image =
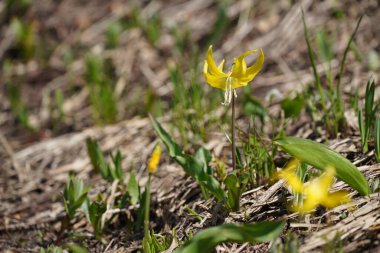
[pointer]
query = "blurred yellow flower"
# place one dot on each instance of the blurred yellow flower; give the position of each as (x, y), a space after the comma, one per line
(239, 76)
(290, 177)
(315, 192)
(154, 159)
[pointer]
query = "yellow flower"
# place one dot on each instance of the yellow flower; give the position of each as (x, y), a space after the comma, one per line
(154, 159)
(315, 192)
(239, 76)
(290, 177)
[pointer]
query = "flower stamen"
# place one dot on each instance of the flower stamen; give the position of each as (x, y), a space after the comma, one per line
(228, 91)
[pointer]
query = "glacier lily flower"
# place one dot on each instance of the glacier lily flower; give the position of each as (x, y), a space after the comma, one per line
(240, 75)
(316, 192)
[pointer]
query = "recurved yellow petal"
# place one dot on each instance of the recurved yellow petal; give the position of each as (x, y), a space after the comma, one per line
(214, 81)
(214, 70)
(256, 67)
(239, 68)
(247, 74)
(154, 159)
(335, 199)
(290, 177)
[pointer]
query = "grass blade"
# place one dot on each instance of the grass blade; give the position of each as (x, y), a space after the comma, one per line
(377, 139)
(320, 156)
(206, 240)
(342, 64)
(315, 72)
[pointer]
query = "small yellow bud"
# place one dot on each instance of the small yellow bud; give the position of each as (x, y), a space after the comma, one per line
(154, 159)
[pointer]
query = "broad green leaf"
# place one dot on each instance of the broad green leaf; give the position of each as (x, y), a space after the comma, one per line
(235, 186)
(193, 167)
(206, 240)
(320, 156)
(234, 192)
(133, 188)
(203, 155)
(74, 248)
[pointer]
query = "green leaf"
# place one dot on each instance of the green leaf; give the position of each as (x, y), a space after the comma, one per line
(193, 167)
(103, 166)
(117, 172)
(377, 139)
(320, 156)
(252, 106)
(206, 240)
(74, 195)
(96, 210)
(204, 156)
(324, 45)
(141, 210)
(74, 248)
(348, 46)
(369, 101)
(293, 107)
(133, 188)
(92, 147)
(234, 192)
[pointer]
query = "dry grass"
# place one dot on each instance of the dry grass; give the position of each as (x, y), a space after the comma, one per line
(34, 165)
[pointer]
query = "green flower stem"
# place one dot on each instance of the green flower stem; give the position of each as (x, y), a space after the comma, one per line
(233, 133)
(147, 207)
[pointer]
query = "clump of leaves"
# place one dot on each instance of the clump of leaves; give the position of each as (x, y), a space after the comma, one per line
(18, 107)
(290, 245)
(51, 249)
(74, 195)
(258, 156)
(152, 28)
(96, 209)
(109, 172)
(24, 37)
(129, 193)
(367, 120)
(196, 166)
(235, 186)
(157, 243)
(102, 97)
(112, 34)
